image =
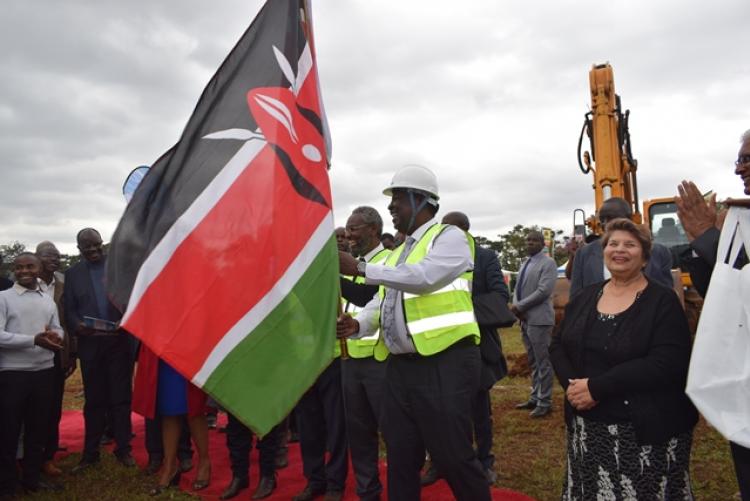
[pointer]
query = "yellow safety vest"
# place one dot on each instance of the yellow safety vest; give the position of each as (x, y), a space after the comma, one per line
(363, 347)
(337, 342)
(438, 319)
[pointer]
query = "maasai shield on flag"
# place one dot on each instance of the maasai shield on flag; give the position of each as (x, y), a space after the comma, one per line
(225, 260)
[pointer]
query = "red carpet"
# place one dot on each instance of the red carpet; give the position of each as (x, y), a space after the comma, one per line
(290, 479)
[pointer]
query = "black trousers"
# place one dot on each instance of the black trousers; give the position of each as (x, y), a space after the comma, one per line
(55, 414)
(107, 388)
(362, 381)
(239, 443)
(483, 429)
(25, 399)
(741, 458)
(320, 414)
(155, 445)
(428, 405)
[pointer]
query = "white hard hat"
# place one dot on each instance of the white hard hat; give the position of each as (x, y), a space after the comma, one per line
(415, 177)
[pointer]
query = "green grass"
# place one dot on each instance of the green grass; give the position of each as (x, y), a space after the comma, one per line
(109, 480)
(529, 452)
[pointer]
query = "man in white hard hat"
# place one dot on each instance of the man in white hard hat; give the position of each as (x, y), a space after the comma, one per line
(430, 338)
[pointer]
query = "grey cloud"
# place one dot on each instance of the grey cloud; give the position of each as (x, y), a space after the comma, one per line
(490, 94)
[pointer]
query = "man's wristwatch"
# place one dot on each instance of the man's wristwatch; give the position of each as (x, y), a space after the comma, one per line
(361, 267)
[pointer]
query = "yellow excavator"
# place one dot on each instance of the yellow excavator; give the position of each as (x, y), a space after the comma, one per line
(613, 169)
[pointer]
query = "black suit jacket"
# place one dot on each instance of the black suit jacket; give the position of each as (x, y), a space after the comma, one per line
(79, 301)
(648, 357)
(489, 278)
(702, 265)
(357, 294)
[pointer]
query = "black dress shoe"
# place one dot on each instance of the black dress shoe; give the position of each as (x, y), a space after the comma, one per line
(529, 404)
(265, 487)
(84, 465)
(125, 459)
(43, 486)
(333, 496)
(234, 487)
(540, 412)
(430, 476)
(491, 476)
(308, 493)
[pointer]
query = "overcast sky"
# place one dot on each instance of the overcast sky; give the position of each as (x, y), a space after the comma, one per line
(490, 94)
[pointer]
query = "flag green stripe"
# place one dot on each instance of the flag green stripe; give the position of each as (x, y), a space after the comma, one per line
(264, 376)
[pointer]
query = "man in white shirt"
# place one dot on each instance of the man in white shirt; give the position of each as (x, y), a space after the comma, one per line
(426, 321)
(29, 334)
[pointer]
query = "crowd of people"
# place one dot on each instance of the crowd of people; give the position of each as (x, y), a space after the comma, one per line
(413, 362)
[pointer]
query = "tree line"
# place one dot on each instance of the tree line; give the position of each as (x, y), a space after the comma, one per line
(510, 248)
(8, 252)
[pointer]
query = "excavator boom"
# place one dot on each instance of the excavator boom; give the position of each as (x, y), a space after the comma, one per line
(606, 125)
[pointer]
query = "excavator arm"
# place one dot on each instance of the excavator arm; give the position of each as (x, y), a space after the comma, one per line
(610, 161)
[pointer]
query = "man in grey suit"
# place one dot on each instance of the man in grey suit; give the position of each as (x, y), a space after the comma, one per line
(532, 304)
(588, 264)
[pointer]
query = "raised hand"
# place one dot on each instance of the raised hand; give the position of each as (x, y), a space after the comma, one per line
(696, 215)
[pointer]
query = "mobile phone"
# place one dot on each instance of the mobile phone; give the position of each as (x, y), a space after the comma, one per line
(100, 324)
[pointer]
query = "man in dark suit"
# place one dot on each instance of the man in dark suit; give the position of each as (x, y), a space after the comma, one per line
(701, 224)
(588, 264)
(321, 425)
(488, 277)
(363, 376)
(532, 304)
(106, 357)
(52, 282)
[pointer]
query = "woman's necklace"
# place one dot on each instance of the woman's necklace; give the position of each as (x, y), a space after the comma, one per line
(619, 288)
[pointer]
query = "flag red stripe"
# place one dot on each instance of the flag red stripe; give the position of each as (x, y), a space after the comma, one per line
(228, 263)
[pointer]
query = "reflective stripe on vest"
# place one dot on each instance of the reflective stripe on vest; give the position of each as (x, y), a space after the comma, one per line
(365, 346)
(438, 319)
(337, 341)
(460, 284)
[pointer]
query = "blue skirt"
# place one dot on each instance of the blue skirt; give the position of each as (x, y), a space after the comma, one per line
(171, 395)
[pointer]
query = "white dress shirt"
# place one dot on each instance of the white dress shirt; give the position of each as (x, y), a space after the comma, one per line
(446, 260)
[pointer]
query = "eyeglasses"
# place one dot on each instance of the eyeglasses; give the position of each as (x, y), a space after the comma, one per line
(742, 160)
(356, 227)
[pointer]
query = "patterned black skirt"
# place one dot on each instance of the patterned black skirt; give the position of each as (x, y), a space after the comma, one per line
(605, 463)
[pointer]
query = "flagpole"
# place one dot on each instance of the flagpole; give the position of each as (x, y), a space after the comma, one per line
(342, 341)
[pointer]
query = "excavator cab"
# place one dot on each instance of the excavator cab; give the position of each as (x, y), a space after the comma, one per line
(664, 223)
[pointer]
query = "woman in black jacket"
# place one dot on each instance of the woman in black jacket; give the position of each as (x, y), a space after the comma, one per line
(622, 354)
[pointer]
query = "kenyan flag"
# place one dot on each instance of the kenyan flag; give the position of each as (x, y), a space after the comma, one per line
(225, 261)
